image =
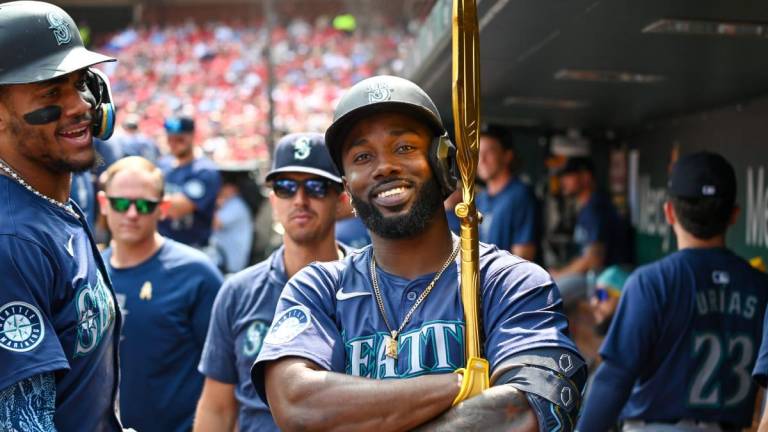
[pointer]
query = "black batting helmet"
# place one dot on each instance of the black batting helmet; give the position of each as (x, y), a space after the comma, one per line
(393, 94)
(40, 41)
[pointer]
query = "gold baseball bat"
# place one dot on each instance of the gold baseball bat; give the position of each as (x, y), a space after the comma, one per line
(466, 115)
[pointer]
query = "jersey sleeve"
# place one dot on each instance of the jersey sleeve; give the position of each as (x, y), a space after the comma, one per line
(760, 372)
(522, 311)
(28, 342)
(202, 188)
(635, 326)
(218, 358)
(304, 325)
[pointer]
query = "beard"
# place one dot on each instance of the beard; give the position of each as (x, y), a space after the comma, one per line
(428, 201)
(27, 138)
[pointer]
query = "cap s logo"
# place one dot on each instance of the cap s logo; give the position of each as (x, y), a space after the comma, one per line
(301, 148)
(60, 28)
(379, 92)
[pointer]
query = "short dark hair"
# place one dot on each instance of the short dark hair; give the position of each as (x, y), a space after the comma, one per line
(705, 217)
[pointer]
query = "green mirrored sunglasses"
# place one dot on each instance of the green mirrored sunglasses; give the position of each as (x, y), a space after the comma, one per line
(143, 206)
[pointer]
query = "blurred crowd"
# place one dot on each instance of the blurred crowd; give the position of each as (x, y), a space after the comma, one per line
(218, 74)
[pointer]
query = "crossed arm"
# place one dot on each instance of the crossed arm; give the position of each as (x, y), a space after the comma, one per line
(303, 396)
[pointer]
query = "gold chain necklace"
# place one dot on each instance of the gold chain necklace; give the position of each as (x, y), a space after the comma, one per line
(392, 345)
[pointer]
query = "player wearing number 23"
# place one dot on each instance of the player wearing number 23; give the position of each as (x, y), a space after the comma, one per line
(683, 342)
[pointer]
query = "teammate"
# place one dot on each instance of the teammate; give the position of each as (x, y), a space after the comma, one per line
(508, 205)
(306, 191)
(342, 330)
(192, 184)
(600, 234)
(232, 228)
(166, 292)
(683, 341)
(58, 319)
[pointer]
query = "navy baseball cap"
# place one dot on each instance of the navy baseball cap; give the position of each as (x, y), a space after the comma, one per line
(303, 153)
(576, 164)
(179, 125)
(702, 175)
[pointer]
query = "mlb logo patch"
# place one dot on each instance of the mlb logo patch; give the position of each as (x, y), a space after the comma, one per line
(721, 277)
(708, 190)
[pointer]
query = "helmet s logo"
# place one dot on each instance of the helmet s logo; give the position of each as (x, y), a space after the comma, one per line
(301, 148)
(379, 92)
(60, 28)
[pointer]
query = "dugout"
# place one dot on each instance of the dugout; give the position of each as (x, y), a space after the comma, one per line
(641, 81)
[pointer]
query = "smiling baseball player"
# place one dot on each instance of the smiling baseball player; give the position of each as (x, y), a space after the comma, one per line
(372, 341)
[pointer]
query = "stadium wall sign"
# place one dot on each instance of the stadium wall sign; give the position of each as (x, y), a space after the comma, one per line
(737, 132)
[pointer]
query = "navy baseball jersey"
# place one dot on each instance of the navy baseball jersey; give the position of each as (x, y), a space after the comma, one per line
(352, 232)
(509, 217)
(166, 302)
(57, 309)
(598, 221)
(241, 317)
(682, 343)
(328, 314)
(200, 182)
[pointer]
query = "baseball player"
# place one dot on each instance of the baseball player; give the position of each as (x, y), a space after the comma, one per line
(600, 234)
(192, 184)
(508, 205)
(58, 315)
(306, 192)
(165, 291)
(373, 341)
(683, 341)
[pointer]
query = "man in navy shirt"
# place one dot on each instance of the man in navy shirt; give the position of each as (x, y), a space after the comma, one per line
(600, 235)
(306, 191)
(58, 316)
(683, 341)
(192, 185)
(371, 342)
(508, 205)
(165, 290)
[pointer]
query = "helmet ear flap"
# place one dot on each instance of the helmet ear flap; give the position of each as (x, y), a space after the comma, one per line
(104, 107)
(442, 159)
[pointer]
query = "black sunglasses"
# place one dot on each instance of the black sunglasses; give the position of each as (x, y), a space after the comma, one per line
(314, 187)
(143, 206)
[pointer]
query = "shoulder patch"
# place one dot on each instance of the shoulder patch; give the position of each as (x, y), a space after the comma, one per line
(292, 322)
(21, 326)
(195, 189)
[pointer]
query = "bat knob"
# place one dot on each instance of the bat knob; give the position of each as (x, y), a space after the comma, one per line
(461, 210)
